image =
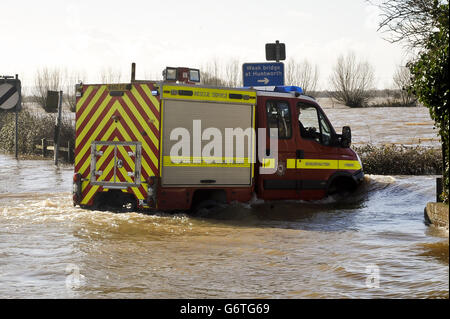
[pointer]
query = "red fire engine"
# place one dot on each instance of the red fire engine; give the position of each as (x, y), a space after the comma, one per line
(173, 145)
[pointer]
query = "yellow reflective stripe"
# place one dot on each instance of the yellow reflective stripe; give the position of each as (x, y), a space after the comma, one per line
(208, 94)
(290, 163)
(268, 163)
(253, 139)
(317, 164)
(322, 164)
(191, 162)
(209, 159)
(161, 138)
(349, 165)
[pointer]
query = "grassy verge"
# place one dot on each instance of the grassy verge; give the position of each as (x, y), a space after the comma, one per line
(400, 160)
(33, 126)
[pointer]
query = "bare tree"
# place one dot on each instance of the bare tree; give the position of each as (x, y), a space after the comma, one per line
(46, 79)
(209, 79)
(402, 81)
(212, 74)
(352, 81)
(110, 75)
(302, 74)
(71, 79)
(408, 21)
(233, 73)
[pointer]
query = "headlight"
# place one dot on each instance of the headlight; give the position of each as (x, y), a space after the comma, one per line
(359, 160)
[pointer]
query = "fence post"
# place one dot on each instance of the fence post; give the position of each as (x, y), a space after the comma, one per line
(58, 128)
(44, 146)
(68, 152)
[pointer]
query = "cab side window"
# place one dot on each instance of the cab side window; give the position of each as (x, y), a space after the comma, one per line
(312, 124)
(279, 117)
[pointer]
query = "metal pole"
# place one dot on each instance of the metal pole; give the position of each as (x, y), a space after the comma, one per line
(133, 72)
(16, 136)
(277, 51)
(58, 127)
(16, 133)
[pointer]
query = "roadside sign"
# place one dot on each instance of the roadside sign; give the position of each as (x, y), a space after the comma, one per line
(275, 51)
(51, 102)
(10, 90)
(263, 74)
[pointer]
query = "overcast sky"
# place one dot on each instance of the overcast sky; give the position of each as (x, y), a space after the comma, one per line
(89, 37)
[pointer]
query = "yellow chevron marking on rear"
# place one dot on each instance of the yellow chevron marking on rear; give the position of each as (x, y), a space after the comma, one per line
(108, 170)
(138, 135)
(84, 97)
(94, 118)
(144, 164)
(108, 151)
(91, 105)
(125, 155)
(146, 109)
(94, 135)
(144, 145)
(89, 195)
(141, 121)
(84, 184)
(150, 96)
(101, 161)
(124, 174)
(85, 149)
(137, 193)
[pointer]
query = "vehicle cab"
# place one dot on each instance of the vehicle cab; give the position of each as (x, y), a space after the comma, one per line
(312, 159)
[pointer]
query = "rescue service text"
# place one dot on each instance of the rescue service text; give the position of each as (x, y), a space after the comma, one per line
(210, 94)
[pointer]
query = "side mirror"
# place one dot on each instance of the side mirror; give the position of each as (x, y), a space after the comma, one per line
(346, 139)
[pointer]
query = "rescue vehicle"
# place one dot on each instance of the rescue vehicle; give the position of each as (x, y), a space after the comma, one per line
(126, 135)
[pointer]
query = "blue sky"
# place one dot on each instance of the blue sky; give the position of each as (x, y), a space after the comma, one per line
(88, 37)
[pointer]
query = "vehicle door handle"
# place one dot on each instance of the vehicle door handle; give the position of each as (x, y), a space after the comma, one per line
(299, 154)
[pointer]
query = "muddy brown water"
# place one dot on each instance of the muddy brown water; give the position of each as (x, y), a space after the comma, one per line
(373, 244)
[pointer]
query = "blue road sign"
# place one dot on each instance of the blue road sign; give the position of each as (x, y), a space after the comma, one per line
(263, 74)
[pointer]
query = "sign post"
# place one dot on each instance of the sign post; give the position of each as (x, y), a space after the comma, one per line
(263, 74)
(11, 101)
(58, 127)
(268, 73)
(275, 51)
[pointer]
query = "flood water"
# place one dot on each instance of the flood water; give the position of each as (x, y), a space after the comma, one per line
(373, 244)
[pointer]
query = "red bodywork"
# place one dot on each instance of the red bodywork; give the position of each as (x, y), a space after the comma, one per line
(288, 182)
(304, 184)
